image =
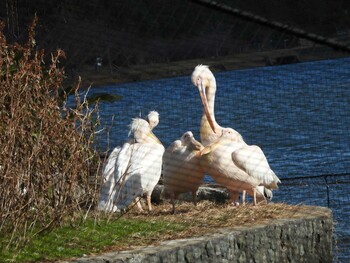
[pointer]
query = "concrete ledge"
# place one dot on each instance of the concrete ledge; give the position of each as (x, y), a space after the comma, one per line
(307, 239)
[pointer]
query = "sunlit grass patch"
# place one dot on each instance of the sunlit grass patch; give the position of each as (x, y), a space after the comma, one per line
(93, 236)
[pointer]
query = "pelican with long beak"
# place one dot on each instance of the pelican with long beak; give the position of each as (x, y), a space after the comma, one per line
(211, 134)
(205, 81)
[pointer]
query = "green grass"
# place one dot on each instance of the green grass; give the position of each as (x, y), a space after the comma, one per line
(89, 237)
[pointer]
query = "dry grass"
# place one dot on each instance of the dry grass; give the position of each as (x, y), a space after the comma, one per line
(134, 230)
(207, 217)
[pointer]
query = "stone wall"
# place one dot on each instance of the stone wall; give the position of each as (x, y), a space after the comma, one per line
(307, 239)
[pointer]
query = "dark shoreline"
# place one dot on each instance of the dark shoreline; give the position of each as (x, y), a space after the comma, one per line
(111, 75)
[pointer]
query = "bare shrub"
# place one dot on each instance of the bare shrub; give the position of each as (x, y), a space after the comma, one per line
(48, 170)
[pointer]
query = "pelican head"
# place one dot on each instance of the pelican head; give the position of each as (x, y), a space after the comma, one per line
(153, 119)
(231, 135)
(186, 137)
(228, 135)
(203, 72)
(188, 140)
(142, 132)
(205, 82)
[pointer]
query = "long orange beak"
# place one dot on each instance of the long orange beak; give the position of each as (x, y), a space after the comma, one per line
(203, 95)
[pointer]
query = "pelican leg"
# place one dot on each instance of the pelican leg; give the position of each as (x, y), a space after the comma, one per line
(243, 196)
(254, 197)
(149, 203)
(138, 203)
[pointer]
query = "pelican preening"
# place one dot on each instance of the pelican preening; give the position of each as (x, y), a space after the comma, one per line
(137, 169)
(227, 158)
(182, 172)
(133, 170)
(205, 81)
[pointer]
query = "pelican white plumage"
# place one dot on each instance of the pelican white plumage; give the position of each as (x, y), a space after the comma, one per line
(109, 167)
(238, 166)
(252, 160)
(108, 170)
(109, 181)
(182, 172)
(137, 169)
(210, 130)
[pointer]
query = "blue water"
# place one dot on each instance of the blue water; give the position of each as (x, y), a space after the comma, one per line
(298, 114)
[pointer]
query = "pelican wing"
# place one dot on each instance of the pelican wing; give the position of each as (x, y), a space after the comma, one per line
(108, 169)
(115, 167)
(182, 173)
(122, 162)
(138, 172)
(252, 160)
(176, 145)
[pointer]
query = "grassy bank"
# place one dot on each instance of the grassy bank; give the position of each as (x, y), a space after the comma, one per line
(92, 236)
(100, 233)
